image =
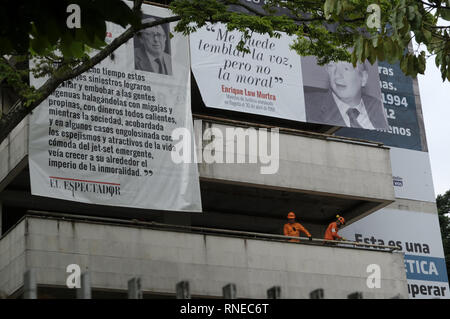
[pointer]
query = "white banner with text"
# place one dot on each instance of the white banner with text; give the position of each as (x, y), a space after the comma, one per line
(104, 137)
(271, 79)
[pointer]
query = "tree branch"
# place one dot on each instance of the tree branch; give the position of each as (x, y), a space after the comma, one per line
(19, 110)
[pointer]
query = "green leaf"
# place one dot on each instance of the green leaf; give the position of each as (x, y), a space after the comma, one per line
(411, 68)
(367, 49)
(411, 12)
(421, 63)
(404, 64)
(380, 53)
(359, 48)
(387, 46)
(427, 35)
(445, 13)
(375, 41)
(328, 8)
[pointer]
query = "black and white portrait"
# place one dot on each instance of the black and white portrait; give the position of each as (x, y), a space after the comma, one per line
(344, 97)
(152, 48)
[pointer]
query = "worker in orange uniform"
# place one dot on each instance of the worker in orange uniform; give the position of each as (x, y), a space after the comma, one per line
(332, 230)
(293, 229)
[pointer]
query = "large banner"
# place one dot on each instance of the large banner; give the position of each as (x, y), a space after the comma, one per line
(265, 81)
(105, 136)
(334, 92)
(399, 102)
(418, 235)
(272, 80)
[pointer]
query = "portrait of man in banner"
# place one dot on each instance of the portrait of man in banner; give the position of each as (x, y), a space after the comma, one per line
(152, 49)
(345, 102)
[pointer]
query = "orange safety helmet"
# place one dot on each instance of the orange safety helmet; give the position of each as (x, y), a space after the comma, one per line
(291, 215)
(340, 219)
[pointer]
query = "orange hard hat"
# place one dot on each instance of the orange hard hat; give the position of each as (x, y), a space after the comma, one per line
(291, 215)
(340, 219)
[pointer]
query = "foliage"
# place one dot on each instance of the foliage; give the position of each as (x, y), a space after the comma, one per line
(443, 205)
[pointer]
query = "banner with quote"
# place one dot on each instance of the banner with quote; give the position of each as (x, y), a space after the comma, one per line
(273, 80)
(265, 81)
(104, 137)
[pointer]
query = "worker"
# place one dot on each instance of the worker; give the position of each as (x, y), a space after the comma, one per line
(293, 229)
(332, 230)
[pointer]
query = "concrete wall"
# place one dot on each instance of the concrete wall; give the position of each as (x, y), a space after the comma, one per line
(13, 152)
(311, 165)
(13, 259)
(113, 254)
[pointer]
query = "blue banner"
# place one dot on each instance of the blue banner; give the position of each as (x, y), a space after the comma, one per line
(398, 98)
(425, 268)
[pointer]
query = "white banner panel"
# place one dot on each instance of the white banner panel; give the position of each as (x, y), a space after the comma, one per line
(266, 81)
(273, 80)
(105, 137)
(418, 234)
(411, 172)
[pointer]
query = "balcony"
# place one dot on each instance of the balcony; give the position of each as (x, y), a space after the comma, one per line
(113, 252)
(318, 175)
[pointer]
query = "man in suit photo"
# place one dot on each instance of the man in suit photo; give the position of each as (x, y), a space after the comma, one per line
(344, 103)
(150, 50)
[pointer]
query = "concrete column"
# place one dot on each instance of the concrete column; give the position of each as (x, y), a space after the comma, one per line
(355, 295)
(229, 291)
(134, 288)
(274, 293)
(183, 290)
(29, 285)
(317, 294)
(85, 291)
(1, 218)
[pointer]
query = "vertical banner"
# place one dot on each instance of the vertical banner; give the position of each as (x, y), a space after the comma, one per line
(265, 81)
(105, 136)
